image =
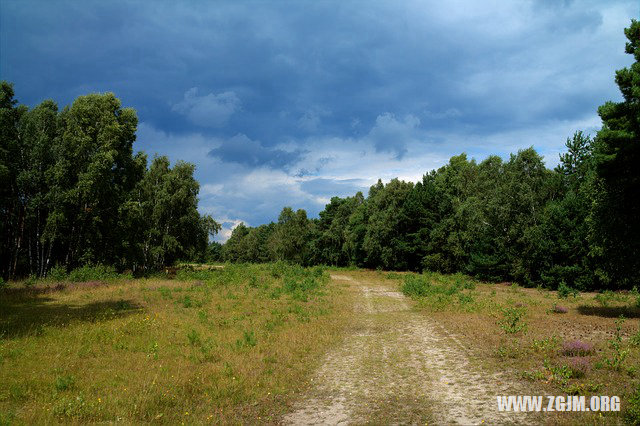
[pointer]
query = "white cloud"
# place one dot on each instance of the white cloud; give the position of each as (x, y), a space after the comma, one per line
(212, 110)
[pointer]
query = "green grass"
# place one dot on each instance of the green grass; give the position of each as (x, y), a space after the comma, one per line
(208, 346)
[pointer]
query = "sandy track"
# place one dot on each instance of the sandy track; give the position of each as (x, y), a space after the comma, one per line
(398, 366)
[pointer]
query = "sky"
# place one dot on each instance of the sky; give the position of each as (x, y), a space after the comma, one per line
(288, 103)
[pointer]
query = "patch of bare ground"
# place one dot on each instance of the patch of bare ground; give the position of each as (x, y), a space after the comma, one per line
(398, 366)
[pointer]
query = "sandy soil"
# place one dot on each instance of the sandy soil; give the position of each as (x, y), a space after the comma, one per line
(400, 367)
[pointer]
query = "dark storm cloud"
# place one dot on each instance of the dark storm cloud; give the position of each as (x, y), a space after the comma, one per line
(378, 87)
(242, 150)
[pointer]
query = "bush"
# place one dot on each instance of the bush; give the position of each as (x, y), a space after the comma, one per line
(58, 273)
(64, 383)
(3, 283)
(512, 321)
(605, 298)
(577, 348)
(564, 290)
(93, 273)
(416, 285)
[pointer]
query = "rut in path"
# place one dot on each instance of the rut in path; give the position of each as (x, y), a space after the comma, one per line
(399, 366)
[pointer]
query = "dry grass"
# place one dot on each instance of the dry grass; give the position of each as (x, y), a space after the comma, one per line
(476, 315)
(222, 346)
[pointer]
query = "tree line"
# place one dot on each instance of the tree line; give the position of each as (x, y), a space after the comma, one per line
(577, 225)
(73, 192)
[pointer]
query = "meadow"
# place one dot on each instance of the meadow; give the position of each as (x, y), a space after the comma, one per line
(564, 342)
(225, 345)
(240, 343)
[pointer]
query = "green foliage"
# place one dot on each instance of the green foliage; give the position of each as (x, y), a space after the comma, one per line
(416, 285)
(548, 344)
(58, 273)
(635, 294)
(564, 291)
(616, 361)
(615, 233)
(248, 339)
(63, 383)
(73, 192)
(513, 320)
(632, 407)
(194, 338)
(92, 273)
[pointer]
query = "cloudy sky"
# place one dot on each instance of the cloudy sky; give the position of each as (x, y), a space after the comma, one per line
(291, 102)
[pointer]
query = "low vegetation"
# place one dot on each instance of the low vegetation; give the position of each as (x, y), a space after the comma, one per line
(227, 345)
(592, 348)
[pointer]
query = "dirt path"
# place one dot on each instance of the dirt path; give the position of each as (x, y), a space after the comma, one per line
(400, 367)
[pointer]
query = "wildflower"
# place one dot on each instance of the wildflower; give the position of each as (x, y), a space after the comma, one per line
(577, 348)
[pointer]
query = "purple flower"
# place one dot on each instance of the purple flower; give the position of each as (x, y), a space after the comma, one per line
(560, 309)
(576, 348)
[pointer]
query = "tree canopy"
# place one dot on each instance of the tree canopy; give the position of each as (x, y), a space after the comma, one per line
(73, 191)
(576, 225)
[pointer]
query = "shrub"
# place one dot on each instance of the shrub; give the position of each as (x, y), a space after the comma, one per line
(564, 290)
(635, 339)
(426, 285)
(512, 321)
(605, 298)
(415, 285)
(93, 273)
(557, 309)
(577, 348)
(3, 283)
(57, 273)
(619, 355)
(548, 344)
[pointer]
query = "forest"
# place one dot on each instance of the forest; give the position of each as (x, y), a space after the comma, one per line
(577, 225)
(74, 193)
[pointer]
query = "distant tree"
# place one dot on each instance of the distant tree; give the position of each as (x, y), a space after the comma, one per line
(12, 208)
(38, 142)
(289, 240)
(214, 252)
(615, 232)
(93, 174)
(235, 248)
(384, 241)
(448, 242)
(172, 228)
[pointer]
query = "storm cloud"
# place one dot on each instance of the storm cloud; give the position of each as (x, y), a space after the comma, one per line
(287, 103)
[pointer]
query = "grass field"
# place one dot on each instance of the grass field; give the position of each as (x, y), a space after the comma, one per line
(567, 344)
(240, 344)
(225, 346)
